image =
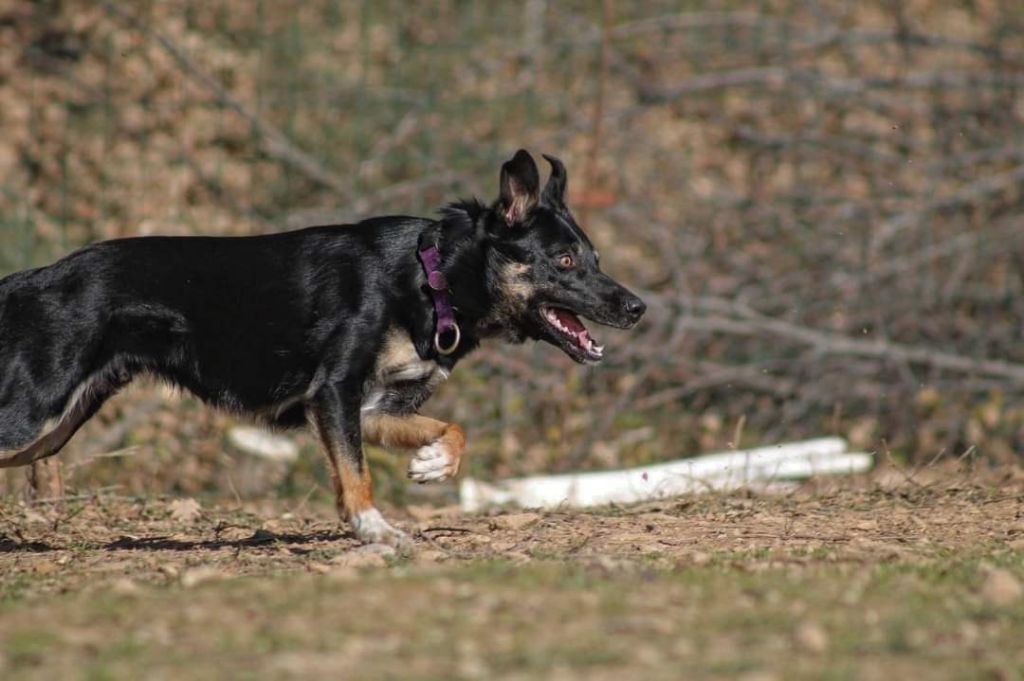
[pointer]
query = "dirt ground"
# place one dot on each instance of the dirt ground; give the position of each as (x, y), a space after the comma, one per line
(918, 575)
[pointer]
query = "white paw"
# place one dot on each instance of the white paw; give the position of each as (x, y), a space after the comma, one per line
(371, 528)
(432, 463)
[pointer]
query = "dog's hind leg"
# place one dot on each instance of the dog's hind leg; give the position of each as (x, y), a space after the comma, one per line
(84, 402)
(439, 445)
(336, 421)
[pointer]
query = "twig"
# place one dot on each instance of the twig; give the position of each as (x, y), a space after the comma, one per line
(101, 492)
(116, 454)
(786, 31)
(305, 500)
(989, 184)
(234, 491)
(766, 76)
(907, 477)
(837, 344)
(361, 206)
(449, 530)
(999, 235)
(778, 77)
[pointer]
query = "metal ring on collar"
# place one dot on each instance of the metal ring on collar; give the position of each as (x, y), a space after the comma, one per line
(451, 348)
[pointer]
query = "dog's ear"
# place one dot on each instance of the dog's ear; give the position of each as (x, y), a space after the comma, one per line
(520, 185)
(554, 190)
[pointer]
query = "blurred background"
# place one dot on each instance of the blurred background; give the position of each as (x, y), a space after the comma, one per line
(820, 202)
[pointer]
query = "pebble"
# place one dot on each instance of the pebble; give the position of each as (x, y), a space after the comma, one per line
(515, 521)
(1001, 588)
(810, 637)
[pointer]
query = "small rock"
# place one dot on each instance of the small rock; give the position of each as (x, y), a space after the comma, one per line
(47, 568)
(811, 638)
(699, 558)
(423, 513)
(431, 556)
(343, 573)
(36, 517)
(200, 575)
(273, 526)
(370, 555)
(969, 632)
(236, 534)
(515, 521)
(1001, 588)
(125, 587)
(518, 557)
(186, 510)
(380, 549)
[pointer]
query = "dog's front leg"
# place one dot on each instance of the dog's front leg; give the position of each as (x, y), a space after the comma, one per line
(335, 417)
(439, 445)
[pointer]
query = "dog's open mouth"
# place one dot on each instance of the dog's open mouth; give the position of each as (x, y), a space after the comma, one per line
(574, 336)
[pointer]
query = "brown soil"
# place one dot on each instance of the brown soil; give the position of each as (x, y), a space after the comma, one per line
(892, 516)
(896, 576)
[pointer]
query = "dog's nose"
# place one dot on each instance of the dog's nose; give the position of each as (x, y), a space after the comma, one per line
(635, 307)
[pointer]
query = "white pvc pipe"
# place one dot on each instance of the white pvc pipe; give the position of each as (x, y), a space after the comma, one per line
(726, 470)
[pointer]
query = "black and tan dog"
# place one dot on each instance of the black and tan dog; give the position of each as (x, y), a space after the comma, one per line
(348, 329)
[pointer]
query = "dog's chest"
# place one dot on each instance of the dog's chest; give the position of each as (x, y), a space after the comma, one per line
(402, 380)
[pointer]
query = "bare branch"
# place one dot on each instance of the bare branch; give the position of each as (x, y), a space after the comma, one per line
(275, 143)
(837, 344)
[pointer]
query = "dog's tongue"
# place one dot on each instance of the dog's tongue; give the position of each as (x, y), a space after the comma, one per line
(572, 322)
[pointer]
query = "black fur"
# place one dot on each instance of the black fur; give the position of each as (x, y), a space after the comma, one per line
(276, 326)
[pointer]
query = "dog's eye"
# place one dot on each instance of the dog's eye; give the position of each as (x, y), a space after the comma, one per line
(565, 261)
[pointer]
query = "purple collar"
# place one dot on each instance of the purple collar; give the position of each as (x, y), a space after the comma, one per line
(430, 259)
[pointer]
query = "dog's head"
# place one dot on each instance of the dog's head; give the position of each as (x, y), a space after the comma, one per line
(548, 274)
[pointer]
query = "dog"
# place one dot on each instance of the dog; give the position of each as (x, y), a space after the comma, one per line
(346, 329)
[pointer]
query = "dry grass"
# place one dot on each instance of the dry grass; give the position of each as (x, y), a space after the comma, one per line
(870, 579)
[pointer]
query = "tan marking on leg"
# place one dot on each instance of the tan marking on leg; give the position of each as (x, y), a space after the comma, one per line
(440, 445)
(353, 487)
(406, 432)
(353, 492)
(454, 439)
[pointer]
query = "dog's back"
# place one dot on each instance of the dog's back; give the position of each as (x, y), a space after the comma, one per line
(238, 321)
